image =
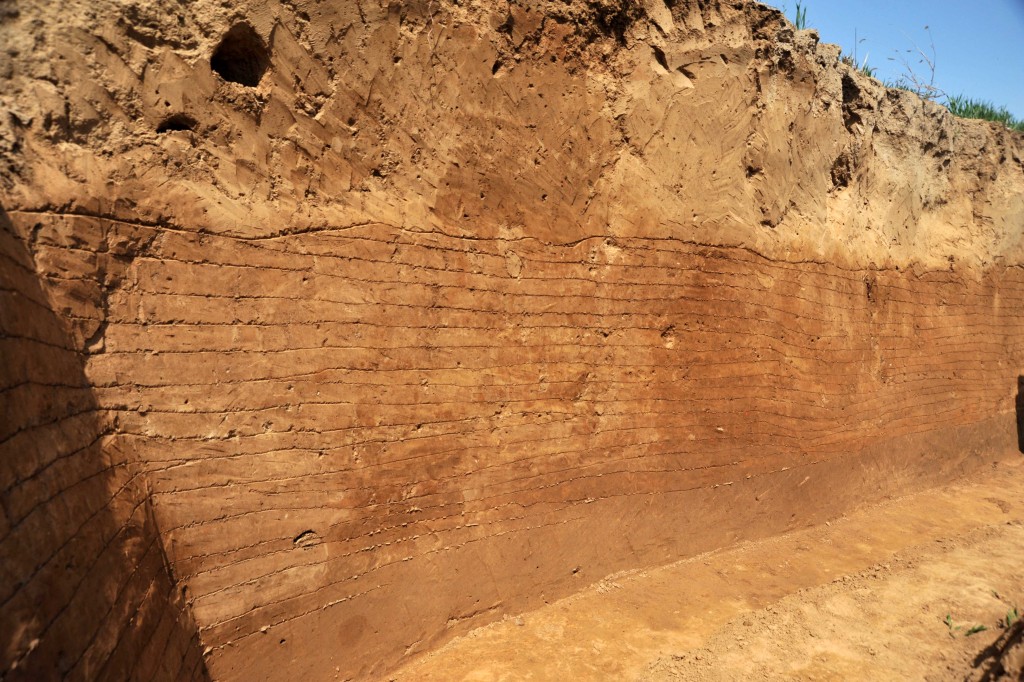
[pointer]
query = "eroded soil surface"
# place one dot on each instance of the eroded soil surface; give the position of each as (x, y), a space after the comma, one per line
(889, 592)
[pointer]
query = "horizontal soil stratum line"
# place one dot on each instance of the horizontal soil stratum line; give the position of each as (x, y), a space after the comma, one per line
(331, 332)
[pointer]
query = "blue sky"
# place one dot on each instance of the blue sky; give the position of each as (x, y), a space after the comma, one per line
(979, 45)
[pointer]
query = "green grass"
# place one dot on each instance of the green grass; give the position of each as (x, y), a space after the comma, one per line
(967, 107)
(850, 60)
(925, 88)
(801, 17)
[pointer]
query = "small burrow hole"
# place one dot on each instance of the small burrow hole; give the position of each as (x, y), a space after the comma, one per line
(659, 56)
(241, 57)
(176, 122)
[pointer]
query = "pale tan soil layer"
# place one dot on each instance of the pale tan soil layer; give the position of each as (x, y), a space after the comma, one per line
(863, 598)
(333, 330)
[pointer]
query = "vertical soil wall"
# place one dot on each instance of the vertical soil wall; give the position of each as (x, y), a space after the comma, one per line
(334, 330)
(86, 588)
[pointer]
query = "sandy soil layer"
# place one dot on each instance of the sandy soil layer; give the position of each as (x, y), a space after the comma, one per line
(890, 592)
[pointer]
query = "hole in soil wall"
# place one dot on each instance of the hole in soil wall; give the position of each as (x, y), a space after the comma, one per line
(241, 57)
(842, 171)
(851, 101)
(659, 55)
(176, 122)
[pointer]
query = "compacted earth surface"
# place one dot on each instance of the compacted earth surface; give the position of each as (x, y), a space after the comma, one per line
(915, 588)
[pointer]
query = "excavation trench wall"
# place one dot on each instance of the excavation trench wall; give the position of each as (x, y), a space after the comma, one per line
(86, 590)
(352, 328)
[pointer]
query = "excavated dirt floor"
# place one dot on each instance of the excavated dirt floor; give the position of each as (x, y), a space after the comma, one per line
(865, 597)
